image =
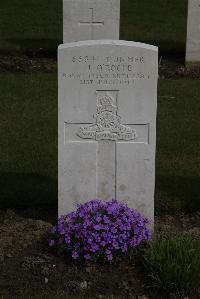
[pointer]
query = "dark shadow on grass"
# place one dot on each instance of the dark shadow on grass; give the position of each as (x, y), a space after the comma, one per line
(183, 193)
(27, 190)
(170, 49)
(35, 47)
(48, 47)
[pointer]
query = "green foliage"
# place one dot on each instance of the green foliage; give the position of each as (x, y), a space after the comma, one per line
(173, 264)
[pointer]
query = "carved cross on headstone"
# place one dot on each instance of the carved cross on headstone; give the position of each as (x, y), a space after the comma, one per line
(90, 20)
(107, 131)
(92, 23)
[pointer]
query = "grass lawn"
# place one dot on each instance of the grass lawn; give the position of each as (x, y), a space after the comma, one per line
(28, 149)
(28, 146)
(158, 22)
(178, 146)
(38, 24)
(30, 25)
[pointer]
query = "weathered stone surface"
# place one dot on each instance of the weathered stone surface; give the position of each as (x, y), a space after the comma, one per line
(193, 33)
(107, 123)
(90, 20)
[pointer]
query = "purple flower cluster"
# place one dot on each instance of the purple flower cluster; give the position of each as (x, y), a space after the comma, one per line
(99, 229)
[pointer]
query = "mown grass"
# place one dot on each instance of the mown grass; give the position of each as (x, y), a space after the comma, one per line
(177, 164)
(28, 144)
(34, 24)
(158, 22)
(38, 24)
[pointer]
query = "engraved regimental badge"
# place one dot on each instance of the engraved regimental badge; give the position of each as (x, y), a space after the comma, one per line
(108, 124)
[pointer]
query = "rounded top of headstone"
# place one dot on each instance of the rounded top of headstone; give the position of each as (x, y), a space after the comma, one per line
(108, 42)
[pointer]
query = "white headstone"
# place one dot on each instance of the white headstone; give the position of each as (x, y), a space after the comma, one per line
(90, 20)
(193, 33)
(107, 123)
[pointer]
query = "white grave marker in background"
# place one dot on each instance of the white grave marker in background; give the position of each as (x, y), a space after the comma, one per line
(90, 20)
(193, 33)
(107, 123)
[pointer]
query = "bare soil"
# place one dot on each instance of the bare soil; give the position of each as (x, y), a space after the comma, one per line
(28, 267)
(27, 64)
